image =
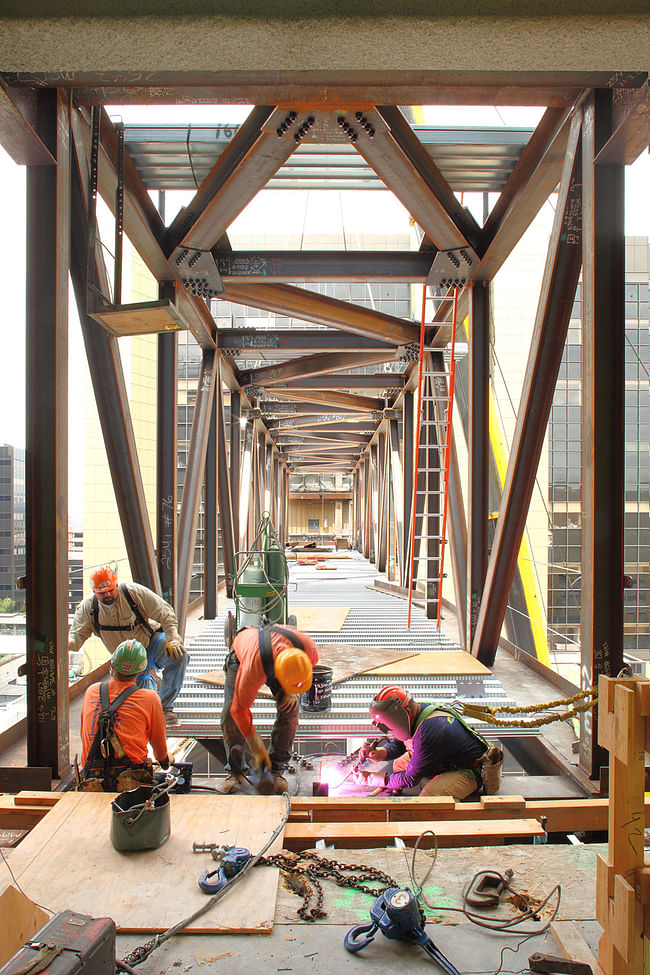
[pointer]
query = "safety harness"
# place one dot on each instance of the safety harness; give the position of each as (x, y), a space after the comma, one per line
(487, 768)
(128, 627)
(266, 653)
(106, 757)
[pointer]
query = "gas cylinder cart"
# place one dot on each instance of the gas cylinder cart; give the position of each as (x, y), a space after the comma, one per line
(260, 584)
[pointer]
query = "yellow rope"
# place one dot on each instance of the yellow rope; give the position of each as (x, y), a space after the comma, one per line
(487, 714)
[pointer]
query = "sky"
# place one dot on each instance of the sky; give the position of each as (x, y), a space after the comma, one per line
(294, 211)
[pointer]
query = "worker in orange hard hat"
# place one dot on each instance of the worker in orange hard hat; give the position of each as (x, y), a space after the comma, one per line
(282, 658)
(430, 746)
(118, 612)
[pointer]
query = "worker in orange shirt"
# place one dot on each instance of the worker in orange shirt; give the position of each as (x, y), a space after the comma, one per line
(118, 721)
(283, 659)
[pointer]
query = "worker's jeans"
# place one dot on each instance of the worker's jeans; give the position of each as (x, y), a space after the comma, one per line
(284, 727)
(173, 671)
(458, 784)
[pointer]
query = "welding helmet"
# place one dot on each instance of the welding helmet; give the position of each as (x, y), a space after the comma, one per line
(103, 579)
(129, 659)
(388, 711)
(294, 671)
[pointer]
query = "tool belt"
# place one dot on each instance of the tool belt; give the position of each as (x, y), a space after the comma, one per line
(490, 769)
(121, 776)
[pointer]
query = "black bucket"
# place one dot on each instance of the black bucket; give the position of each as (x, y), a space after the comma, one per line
(319, 695)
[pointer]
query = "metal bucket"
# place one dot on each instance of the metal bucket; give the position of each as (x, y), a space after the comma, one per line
(319, 695)
(140, 819)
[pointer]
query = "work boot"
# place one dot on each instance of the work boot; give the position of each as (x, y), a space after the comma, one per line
(280, 783)
(171, 718)
(232, 783)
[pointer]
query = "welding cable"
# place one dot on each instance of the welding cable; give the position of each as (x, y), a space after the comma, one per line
(141, 953)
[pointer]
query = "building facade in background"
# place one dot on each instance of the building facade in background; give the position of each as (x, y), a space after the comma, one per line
(12, 525)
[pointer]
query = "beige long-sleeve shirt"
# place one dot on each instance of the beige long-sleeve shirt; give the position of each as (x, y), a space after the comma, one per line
(154, 609)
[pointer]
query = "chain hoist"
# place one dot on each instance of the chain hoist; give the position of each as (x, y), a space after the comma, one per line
(303, 872)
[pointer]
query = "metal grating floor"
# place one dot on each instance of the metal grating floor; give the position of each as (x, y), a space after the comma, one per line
(375, 619)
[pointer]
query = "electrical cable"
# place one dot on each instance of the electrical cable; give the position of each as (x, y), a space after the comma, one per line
(13, 877)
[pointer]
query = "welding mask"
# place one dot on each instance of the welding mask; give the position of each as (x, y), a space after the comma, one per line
(389, 712)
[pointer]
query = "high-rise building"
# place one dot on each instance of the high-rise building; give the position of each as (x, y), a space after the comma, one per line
(12, 523)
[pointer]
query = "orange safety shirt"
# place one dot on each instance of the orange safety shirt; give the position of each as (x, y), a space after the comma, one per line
(138, 721)
(251, 676)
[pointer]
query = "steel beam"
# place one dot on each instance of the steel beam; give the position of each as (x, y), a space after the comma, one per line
(370, 382)
(458, 541)
(166, 450)
(397, 489)
(105, 365)
(308, 306)
(277, 343)
(603, 415)
(210, 517)
(478, 450)
(235, 464)
(226, 520)
(46, 428)
(344, 401)
(408, 464)
(19, 111)
(629, 126)
(549, 335)
(313, 365)
(291, 266)
(189, 513)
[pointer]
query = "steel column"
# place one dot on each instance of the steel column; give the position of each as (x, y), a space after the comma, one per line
(397, 487)
(603, 415)
(382, 518)
(549, 335)
(458, 541)
(166, 459)
(105, 365)
(478, 450)
(189, 513)
(225, 497)
(235, 463)
(408, 464)
(210, 522)
(46, 456)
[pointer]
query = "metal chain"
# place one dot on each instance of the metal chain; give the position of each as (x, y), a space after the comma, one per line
(311, 868)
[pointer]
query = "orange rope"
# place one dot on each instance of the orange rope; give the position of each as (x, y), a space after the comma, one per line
(450, 409)
(416, 456)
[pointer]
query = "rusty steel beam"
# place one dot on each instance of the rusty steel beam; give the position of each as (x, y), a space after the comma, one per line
(603, 416)
(629, 126)
(235, 460)
(235, 153)
(383, 488)
(18, 127)
(107, 375)
(397, 489)
(252, 158)
(448, 206)
(549, 335)
(308, 306)
(347, 401)
(247, 343)
(226, 519)
(313, 365)
(478, 448)
(531, 182)
(46, 429)
(210, 517)
(362, 381)
(408, 466)
(166, 463)
(189, 513)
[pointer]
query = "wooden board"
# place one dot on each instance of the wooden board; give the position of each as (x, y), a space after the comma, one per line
(536, 871)
(20, 919)
(68, 862)
(357, 835)
(345, 659)
(320, 619)
(436, 664)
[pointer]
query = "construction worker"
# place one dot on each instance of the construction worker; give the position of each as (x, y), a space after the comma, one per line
(429, 742)
(115, 613)
(283, 658)
(118, 721)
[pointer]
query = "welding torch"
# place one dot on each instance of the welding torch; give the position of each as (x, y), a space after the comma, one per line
(369, 745)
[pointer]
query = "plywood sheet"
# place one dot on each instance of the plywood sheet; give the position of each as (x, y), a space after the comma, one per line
(20, 919)
(436, 664)
(345, 659)
(68, 862)
(320, 619)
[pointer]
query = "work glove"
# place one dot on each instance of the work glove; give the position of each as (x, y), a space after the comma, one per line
(286, 702)
(175, 649)
(374, 780)
(375, 754)
(259, 752)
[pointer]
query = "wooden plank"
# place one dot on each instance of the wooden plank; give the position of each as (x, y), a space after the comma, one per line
(320, 619)
(19, 817)
(20, 919)
(28, 797)
(573, 945)
(141, 318)
(360, 835)
(438, 664)
(152, 890)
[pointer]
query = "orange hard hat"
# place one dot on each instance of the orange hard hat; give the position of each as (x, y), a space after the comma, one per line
(103, 579)
(294, 670)
(394, 691)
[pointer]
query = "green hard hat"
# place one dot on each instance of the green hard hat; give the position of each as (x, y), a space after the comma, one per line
(129, 659)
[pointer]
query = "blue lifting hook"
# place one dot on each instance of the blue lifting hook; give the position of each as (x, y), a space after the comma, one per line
(231, 863)
(396, 913)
